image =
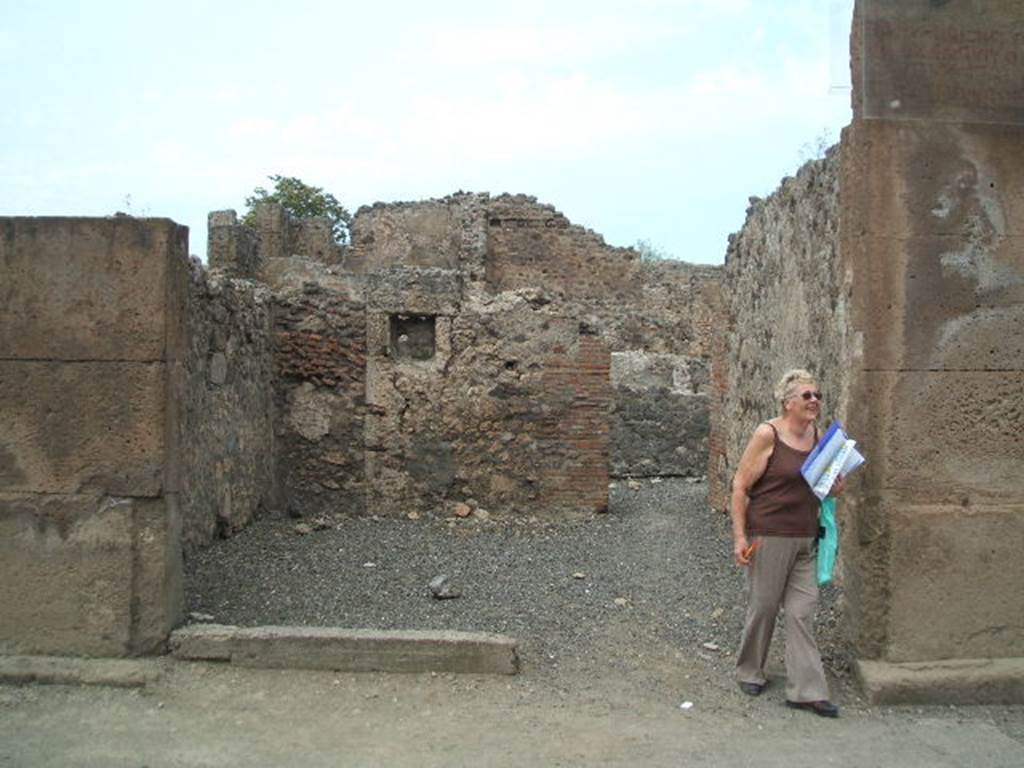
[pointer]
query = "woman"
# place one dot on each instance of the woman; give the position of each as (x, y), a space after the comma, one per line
(775, 530)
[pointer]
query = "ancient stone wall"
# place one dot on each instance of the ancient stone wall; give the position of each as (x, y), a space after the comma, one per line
(509, 414)
(238, 250)
(933, 184)
(436, 363)
(511, 242)
(318, 337)
(663, 307)
(228, 444)
(660, 417)
(654, 317)
(442, 234)
(231, 248)
(787, 306)
(532, 245)
(319, 392)
(487, 398)
(924, 303)
(533, 306)
(92, 351)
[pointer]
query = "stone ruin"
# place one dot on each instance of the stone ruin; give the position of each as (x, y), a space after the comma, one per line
(484, 351)
(469, 351)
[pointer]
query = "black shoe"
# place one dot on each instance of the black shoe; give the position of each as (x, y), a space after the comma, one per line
(822, 708)
(752, 689)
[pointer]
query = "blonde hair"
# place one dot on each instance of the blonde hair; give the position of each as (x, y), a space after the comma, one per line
(794, 376)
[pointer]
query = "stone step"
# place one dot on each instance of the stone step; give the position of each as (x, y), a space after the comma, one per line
(347, 650)
(66, 670)
(949, 681)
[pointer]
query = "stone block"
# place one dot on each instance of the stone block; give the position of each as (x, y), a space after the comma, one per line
(65, 575)
(231, 247)
(939, 61)
(204, 642)
(943, 437)
(955, 576)
(348, 650)
(378, 334)
(158, 595)
(86, 289)
(941, 303)
(943, 683)
(923, 179)
(83, 427)
(88, 575)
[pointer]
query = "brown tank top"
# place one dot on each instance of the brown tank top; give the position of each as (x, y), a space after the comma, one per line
(781, 501)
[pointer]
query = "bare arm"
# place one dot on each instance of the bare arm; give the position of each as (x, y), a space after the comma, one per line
(751, 467)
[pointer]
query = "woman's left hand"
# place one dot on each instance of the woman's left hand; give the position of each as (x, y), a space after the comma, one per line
(838, 486)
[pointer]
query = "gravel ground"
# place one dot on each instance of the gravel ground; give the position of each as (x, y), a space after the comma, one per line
(629, 664)
(652, 576)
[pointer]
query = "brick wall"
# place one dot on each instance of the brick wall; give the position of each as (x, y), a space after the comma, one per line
(578, 432)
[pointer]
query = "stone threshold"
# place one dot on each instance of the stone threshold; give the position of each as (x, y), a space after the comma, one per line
(950, 681)
(347, 650)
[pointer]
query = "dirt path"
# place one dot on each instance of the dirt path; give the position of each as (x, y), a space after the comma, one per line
(602, 682)
(205, 715)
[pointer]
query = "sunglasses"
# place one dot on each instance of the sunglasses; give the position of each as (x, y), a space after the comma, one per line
(808, 395)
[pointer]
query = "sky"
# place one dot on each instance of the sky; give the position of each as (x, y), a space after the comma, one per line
(650, 120)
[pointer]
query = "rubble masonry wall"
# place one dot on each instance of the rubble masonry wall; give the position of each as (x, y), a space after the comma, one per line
(509, 406)
(228, 444)
(787, 306)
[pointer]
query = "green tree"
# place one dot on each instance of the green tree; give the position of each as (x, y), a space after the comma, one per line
(301, 200)
(650, 252)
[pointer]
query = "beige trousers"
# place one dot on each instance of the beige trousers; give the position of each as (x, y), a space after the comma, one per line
(783, 573)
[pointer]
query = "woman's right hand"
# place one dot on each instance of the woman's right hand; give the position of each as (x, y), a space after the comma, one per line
(741, 550)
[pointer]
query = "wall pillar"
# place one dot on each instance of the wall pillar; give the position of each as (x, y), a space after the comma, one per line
(932, 196)
(91, 372)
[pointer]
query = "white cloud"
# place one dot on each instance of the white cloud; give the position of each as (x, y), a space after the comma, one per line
(251, 128)
(223, 94)
(725, 80)
(473, 47)
(725, 6)
(302, 128)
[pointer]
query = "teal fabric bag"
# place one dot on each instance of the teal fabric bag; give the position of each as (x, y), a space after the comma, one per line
(828, 544)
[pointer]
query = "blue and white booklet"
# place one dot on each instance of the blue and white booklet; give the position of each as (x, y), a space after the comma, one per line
(834, 455)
